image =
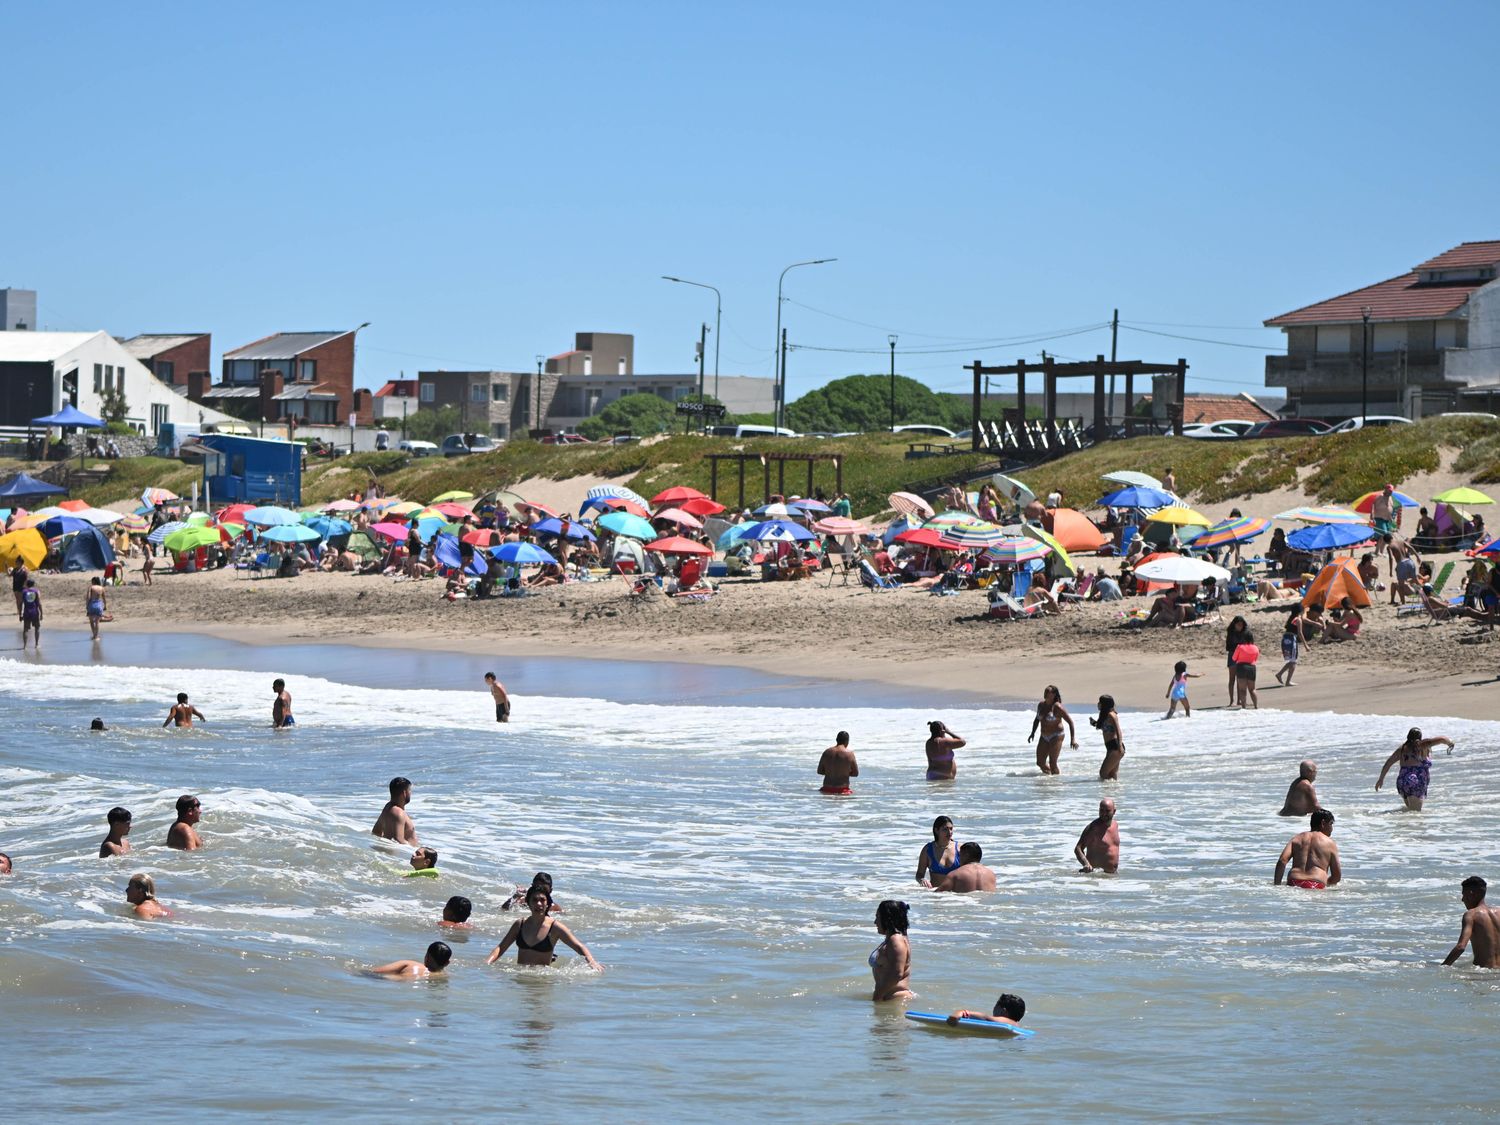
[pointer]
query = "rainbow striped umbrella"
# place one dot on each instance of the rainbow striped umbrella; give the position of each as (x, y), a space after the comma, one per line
(136, 525)
(1015, 551)
(974, 535)
(1321, 515)
(949, 519)
(1367, 501)
(1232, 531)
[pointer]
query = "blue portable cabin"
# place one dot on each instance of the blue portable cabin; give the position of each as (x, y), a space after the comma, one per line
(253, 470)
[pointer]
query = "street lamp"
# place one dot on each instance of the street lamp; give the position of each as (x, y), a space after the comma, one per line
(536, 422)
(892, 339)
(718, 311)
(776, 357)
(1364, 366)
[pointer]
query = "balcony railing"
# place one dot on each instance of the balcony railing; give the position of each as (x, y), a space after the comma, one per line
(1325, 369)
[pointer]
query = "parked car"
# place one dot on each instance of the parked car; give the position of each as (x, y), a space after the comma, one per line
(1289, 427)
(565, 439)
(419, 448)
(623, 439)
(1226, 429)
(461, 445)
(1349, 425)
(931, 431)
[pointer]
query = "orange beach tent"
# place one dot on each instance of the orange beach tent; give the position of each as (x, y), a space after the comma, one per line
(1335, 582)
(1074, 530)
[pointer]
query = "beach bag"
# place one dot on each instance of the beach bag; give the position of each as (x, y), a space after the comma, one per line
(1246, 654)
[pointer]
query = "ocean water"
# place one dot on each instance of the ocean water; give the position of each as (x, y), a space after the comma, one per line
(731, 905)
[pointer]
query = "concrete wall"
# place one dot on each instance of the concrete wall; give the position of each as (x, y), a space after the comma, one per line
(1480, 361)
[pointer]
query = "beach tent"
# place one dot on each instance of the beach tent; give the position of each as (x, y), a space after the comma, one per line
(1073, 530)
(26, 545)
(89, 549)
(1335, 582)
(362, 545)
(69, 415)
(22, 485)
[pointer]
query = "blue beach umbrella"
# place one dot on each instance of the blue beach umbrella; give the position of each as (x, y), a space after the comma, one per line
(810, 506)
(446, 550)
(781, 530)
(1329, 536)
(735, 533)
(61, 525)
(272, 516)
(632, 527)
(164, 530)
(576, 530)
(521, 553)
(329, 528)
(1138, 496)
(290, 533)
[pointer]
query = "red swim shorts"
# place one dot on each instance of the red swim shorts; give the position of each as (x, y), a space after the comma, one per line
(1310, 884)
(837, 790)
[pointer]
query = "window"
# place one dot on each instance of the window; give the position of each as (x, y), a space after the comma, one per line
(241, 371)
(165, 370)
(308, 371)
(428, 393)
(158, 416)
(499, 392)
(98, 377)
(476, 392)
(1334, 338)
(499, 430)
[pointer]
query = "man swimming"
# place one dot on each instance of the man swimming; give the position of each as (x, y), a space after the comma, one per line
(5, 867)
(182, 835)
(1098, 846)
(1313, 856)
(1481, 925)
(837, 766)
(182, 712)
(501, 698)
(1301, 797)
(281, 706)
(970, 875)
(1009, 1009)
(456, 913)
(393, 823)
(434, 961)
(423, 860)
(119, 828)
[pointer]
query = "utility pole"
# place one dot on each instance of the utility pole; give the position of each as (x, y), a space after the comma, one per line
(781, 403)
(1114, 340)
(536, 422)
(1364, 365)
(892, 339)
(779, 388)
(702, 359)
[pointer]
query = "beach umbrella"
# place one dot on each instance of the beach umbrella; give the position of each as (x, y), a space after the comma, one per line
(272, 516)
(1073, 530)
(733, 535)
(1180, 569)
(290, 533)
(1179, 516)
(328, 527)
(702, 506)
(25, 544)
(1490, 548)
(362, 545)
(453, 495)
(99, 517)
(1041, 535)
(433, 525)
(1130, 476)
(391, 530)
(911, 505)
(23, 485)
(446, 550)
(382, 503)
(926, 537)
(136, 525)
(196, 519)
(679, 517)
(949, 519)
(977, 534)
(1335, 582)
(1329, 536)
(483, 537)
(1307, 514)
(1016, 491)
(895, 528)
(72, 505)
(841, 525)
(619, 491)
(538, 510)
(1463, 497)
(775, 510)
(554, 526)
(53, 526)
(522, 554)
(1015, 551)
(401, 508)
(632, 527)
(810, 506)
(49, 511)
(1367, 501)
(164, 530)
(155, 496)
(616, 504)
(233, 512)
(677, 545)
(32, 519)
(1236, 530)
(780, 530)
(342, 506)
(1137, 496)
(453, 510)
(232, 530)
(191, 538)
(677, 495)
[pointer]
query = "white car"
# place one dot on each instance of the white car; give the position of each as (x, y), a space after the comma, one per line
(1228, 429)
(419, 448)
(1350, 425)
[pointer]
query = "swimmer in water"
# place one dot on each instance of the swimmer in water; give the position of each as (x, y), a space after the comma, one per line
(1009, 1009)
(182, 835)
(281, 706)
(1098, 847)
(498, 694)
(1108, 725)
(5, 867)
(890, 962)
(939, 857)
(456, 913)
(140, 892)
(119, 828)
(540, 879)
(434, 961)
(1050, 717)
(1301, 797)
(970, 875)
(941, 743)
(1481, 925)
(423, 859)
(393, 823)
(837, 766)
(535, 936)
(182, 712)
(1313, 856)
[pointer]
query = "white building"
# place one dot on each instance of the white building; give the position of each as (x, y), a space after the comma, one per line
(40, 371)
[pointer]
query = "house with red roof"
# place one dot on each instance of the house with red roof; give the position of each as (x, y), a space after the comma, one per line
(1420, 343)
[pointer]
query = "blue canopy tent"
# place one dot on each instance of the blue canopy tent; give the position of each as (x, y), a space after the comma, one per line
(87, 550)
(70, 417)
(21, 486)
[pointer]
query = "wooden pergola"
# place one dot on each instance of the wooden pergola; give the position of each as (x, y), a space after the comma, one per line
(765, 460)
(1098, 368)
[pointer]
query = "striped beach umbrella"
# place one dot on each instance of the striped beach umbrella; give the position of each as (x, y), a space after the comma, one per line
(155, 496)
(949, 518)
(1367, 501)
(1237, 530)
(619, 490)
(136, 525)
(1014, 551)
(975, 535)
(911, 505)
(164, 530)
(1041, 535)
(1320, 515)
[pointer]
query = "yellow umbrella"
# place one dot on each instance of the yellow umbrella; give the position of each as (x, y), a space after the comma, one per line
(455, 495)
(1179, 516)
(26, 545)
(1041, 535)
(1465, 496)
(404, 508)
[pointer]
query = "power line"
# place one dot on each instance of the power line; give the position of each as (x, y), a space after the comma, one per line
(898, 331)
(1200, 339)
(1227, 327)
(966, 349)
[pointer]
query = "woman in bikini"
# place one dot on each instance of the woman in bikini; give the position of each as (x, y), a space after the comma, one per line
(535, 936)
(1415, 756)
(890, 961)
(1050, 717)
(941, 742)
(939, 857)
(1108, 725)
(1344, 622)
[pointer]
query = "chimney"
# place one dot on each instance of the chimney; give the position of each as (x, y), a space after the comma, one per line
(271, 384)
(364, 405)
(197, 383)
(588, 365)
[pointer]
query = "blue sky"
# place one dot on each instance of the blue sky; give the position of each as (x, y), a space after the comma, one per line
(481, 181)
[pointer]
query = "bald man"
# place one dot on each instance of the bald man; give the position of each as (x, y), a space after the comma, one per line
(1301, 797)
(1098, 848)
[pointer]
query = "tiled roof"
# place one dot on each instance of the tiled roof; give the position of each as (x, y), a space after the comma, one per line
(1467, 254)
(404, 388)
(295, 391)
(1404, 297)
(1224, 408)
(283, 345)
(149, 344)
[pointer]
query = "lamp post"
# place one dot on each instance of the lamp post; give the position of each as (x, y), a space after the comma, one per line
(718, 312)
(778, 364)
(536, 422)
(892, 339)
(1364, 366)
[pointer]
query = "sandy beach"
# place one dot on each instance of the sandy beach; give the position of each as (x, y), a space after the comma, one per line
(1399, 665)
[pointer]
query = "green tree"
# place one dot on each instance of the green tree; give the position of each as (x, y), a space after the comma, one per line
(112, 405)
(435, 425)
(862, 403)
(639, 414)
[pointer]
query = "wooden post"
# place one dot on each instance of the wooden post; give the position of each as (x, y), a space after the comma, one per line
(1021, 390)
(974, 437)
(1101, 421)
(1129, 404)
(741, 508)
(781, 478)
(1181, 396)
(713, 479)
(838, 472)
(766, 467)
(809, 491)
(1049, 392)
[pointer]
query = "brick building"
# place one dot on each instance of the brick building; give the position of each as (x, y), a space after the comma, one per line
(170, 356)
(307, 376)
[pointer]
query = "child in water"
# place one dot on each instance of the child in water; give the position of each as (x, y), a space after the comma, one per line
(1177, 690)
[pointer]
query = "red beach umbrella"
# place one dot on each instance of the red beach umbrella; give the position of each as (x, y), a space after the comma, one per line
(621, 504)
(484, 537)
(701, 506)
(677, 545)
(677, 495)
(927, 537)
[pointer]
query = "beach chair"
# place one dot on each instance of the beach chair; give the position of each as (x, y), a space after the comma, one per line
(1442, 579)
(1020, 584)
(871, 579)
(1078, 593)
(1005, 607)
